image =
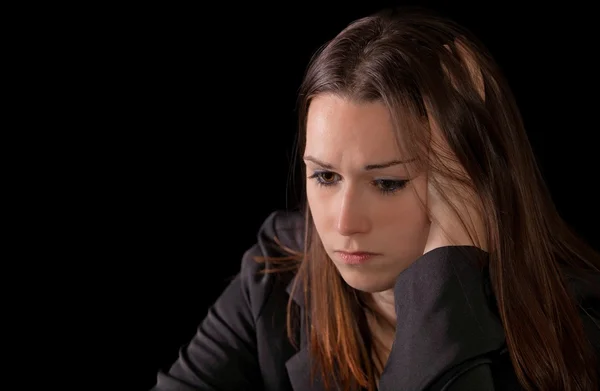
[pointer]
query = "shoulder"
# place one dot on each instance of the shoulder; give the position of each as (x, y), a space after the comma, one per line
(280, 235)
(281, 231)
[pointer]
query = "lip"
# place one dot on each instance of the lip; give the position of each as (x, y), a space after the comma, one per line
(355, 257)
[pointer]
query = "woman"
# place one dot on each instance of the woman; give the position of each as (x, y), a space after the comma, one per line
(429, 255)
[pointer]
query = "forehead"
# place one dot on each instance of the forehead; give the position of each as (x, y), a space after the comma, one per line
(338, 127)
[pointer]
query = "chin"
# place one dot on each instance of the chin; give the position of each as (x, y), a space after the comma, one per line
(366, 282)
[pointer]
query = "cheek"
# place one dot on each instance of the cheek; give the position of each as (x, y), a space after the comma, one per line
(318, 204)
(416, 218)
(406, 213)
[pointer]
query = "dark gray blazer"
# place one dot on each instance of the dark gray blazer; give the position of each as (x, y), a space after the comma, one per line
(449, 336)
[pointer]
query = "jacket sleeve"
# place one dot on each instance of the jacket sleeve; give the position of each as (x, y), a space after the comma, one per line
(446, 333)
(222, 355)
(473, 375)
(477, 377)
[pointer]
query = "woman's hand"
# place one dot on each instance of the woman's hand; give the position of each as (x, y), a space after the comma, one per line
(459, 226)
(456, 211)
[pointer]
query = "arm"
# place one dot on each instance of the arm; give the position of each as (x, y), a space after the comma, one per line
(475, 377)
(222, 355)
(445, 326)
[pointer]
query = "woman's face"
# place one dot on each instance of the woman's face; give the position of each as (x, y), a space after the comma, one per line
(359, 193)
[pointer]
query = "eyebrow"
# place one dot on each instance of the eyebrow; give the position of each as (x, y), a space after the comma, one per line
(368, 167)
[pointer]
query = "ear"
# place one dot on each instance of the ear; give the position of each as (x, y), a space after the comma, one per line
(467, 57)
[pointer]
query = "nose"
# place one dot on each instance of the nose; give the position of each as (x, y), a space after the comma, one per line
(352, 216)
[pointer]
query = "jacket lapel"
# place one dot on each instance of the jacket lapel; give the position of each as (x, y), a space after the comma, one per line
(299, 365)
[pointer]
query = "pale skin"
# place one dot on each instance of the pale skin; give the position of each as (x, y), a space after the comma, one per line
(363, 198)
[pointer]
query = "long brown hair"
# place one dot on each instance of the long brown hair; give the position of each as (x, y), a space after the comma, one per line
(421, 65)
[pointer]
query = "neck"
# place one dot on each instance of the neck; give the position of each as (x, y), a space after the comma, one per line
(383, 303)
(381, 318)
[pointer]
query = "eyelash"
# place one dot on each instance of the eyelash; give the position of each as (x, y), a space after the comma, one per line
(398, 184)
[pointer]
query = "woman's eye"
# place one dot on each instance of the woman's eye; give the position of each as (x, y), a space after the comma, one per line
(385, 186)
(325, 178)
(388, 186)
